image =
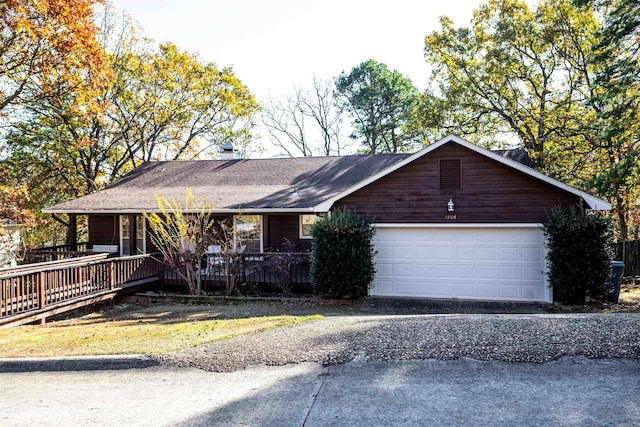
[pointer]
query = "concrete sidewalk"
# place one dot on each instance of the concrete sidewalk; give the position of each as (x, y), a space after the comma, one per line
(570, 391)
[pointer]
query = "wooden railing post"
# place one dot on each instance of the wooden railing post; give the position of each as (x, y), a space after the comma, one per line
(42, 289)
(112, 274)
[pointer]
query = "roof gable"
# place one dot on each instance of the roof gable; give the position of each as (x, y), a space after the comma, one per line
(593, 202)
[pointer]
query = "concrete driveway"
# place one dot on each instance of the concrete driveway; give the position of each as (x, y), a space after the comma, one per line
(571, 391)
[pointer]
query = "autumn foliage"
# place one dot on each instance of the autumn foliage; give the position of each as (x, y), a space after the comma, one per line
(48, 47)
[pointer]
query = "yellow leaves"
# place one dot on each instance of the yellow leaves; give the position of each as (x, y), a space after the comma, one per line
(13, 205)
(104, 101)
(50, 45)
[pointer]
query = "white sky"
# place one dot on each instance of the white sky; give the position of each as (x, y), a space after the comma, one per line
(275, 44)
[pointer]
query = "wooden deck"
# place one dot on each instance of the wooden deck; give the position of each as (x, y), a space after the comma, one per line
(34, 292)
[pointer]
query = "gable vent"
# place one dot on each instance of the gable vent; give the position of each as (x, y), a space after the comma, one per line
(450, 174)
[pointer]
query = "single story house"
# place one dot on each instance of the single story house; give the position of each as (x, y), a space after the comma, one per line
(452, 220)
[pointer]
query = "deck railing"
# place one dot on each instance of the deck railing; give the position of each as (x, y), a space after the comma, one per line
(54, 253)
(80, 247)
(37, 288)
(38, 256)
(286, 271)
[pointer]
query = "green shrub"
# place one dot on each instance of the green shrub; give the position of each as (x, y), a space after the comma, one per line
(342, 255)
(579, 254)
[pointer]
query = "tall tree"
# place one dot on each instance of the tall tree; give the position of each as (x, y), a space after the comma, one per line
(306, 122)
(380, 103)
(162, 103)
(516, 71)
(285, 121)
(320, 106)
(47, 47)
(616, 101)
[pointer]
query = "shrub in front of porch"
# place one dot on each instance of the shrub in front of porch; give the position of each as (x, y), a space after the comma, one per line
(342, 255)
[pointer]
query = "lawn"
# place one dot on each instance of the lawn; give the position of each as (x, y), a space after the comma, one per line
(130, 329)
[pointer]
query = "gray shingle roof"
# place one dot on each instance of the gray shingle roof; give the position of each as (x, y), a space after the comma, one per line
(284, 183)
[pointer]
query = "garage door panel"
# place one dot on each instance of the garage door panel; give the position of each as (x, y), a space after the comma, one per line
(445, 253)
(445, 290)
(403, 269)
(406, 287)
(443, 271)
(466, 290)
(439, 236)
(533, 274)
(384, 286)
(466, 253)
(531, 254)
(508, 272)
(532, 236)
(532, 292)
(404, 252)
(509, 291)
(508, 236)
(465, 271)
(487, 290)
(423, 270)
(509, 253)
(487, 272)
(428, 286)
(462, 237)
(384, 269)
(473, 263)
(487, 253)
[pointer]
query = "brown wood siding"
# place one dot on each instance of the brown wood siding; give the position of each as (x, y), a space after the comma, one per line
(279, 227)
(104, 230)
(490, 193)
(151, 248)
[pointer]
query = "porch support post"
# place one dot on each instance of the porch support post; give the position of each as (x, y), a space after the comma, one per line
(72, 237)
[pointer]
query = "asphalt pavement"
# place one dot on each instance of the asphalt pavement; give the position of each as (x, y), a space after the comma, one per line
(571, 391)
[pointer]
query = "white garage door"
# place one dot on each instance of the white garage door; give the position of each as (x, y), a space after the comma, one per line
(501, 263)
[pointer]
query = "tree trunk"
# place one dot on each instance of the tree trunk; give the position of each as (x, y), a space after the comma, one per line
(621, 211)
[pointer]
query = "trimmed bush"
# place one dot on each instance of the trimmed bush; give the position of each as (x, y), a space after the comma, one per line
(342, 255)
(579, 254)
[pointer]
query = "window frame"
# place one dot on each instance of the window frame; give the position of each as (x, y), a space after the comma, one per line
(301, 235)
(236, 239)
(122, 218)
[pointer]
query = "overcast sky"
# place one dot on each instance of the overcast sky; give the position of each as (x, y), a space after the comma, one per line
(274, 44)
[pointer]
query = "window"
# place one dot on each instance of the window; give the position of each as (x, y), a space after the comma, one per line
(248, 232)
(125, 236)
(450, 174)
(306, 221)
(141, 247)
(132, 228)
